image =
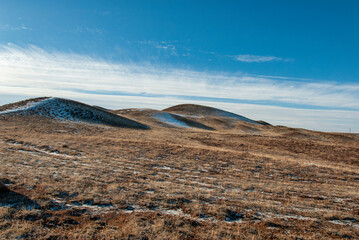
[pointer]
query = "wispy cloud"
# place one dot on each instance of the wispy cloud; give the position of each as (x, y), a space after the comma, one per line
(7, 27)
(31, 72)
(170, 47)
(249, 58)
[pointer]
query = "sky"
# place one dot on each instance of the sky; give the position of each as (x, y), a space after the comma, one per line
(293, 63)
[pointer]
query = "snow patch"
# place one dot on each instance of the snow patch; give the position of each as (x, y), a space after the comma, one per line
(168, 118)
(164, 168)
(27, 106)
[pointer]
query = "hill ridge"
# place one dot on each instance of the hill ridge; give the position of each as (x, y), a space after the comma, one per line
(196, 110)
(65, 109)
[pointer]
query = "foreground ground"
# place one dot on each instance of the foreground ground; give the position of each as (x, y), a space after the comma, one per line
(75, 180)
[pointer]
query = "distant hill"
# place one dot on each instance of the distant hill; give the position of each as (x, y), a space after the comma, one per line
(179, 116)
(194, 110)
(156, 118)
(65, 109)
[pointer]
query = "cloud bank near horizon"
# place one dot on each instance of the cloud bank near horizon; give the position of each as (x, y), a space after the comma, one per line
(33, 72)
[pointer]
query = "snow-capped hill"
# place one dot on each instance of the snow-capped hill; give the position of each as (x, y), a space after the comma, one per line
(193, 110)
(64, 109)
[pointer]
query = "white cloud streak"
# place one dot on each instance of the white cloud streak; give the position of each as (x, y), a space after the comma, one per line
(256, 58)
(32, 72)
(7, 27)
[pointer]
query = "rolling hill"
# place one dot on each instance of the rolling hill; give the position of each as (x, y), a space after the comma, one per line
(69, 110)
(193, 110)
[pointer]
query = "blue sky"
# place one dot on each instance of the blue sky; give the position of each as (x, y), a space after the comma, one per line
(261, 59)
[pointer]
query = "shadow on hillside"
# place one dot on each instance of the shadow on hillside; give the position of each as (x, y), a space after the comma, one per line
(16, 200)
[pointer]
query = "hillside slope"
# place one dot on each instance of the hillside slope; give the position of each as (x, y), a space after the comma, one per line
(64, 109)
(179, 121)
(155, 118)
(194, 110)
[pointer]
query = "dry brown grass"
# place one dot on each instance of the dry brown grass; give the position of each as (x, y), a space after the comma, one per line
(82, 181)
